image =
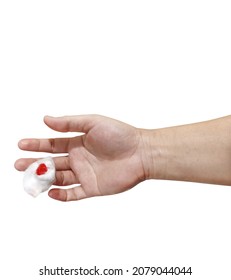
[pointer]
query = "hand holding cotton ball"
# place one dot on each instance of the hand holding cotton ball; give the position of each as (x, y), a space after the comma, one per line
(39, 176)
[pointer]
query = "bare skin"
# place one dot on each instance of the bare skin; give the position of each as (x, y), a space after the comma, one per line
(111, 156)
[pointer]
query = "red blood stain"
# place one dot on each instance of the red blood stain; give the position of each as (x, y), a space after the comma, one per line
(42, 169)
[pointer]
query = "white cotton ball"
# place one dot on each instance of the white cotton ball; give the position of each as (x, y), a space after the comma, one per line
(39, 176)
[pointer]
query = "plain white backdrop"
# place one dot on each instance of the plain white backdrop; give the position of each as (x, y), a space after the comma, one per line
(148, 63)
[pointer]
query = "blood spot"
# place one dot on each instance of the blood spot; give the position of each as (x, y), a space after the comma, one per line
(42, 169)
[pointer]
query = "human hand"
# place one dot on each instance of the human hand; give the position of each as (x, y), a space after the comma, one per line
(106, 159)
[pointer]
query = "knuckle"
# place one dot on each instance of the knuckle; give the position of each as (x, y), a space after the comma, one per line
(52, 145)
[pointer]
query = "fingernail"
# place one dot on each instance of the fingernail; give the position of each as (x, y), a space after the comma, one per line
(23, 142)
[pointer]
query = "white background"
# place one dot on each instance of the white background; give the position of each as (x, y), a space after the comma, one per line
(148, 63)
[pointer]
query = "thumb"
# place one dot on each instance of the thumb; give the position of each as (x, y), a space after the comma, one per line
(81, 123)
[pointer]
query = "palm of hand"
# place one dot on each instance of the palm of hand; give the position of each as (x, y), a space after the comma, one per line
(105, 160)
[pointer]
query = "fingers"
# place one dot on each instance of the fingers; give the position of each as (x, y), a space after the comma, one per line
(61, 163)
(56, 145)
(22, 164)
(72, 123)
(65, 178)
(64, 175)
(72, 194)
(63, 124)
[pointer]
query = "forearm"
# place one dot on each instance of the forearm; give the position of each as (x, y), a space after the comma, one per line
(198, 152)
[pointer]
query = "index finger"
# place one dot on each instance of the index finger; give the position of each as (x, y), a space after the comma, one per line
(52, 145)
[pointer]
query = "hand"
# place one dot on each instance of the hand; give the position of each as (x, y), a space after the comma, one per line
(106, 159)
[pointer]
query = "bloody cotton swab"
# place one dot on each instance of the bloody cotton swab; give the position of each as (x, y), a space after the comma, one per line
(39, 176)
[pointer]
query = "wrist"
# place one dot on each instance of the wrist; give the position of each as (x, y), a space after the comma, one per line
(153, 154)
